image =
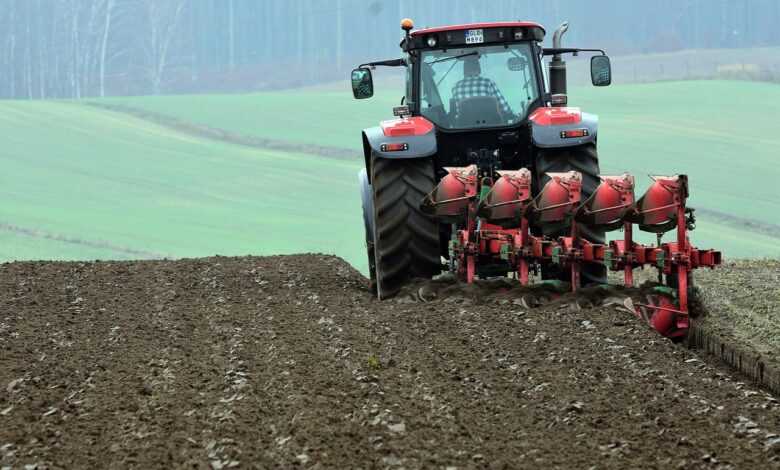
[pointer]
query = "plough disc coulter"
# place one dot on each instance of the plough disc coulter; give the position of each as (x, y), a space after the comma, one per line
(497, 221)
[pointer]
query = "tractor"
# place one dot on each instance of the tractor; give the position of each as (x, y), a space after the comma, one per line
(406, 157)
(487, 172)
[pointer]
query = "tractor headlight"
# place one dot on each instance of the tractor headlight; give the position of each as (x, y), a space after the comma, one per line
(432, 41)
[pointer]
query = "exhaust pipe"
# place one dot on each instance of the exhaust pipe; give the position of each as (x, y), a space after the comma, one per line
(557, 65)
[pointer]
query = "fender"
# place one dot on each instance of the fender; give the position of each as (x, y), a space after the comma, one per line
(367, 202)
(549, 124)
(418, 133)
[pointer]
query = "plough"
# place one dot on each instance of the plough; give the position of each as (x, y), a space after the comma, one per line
(495, 220)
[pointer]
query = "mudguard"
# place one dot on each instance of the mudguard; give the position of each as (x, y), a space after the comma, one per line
(549, 127)
(368, 205)
(416, 135)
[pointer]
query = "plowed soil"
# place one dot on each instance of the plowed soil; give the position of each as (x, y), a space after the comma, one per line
(743, 302)
(288, 362)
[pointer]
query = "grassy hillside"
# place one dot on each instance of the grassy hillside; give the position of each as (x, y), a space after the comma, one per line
(718, 132)
(80, 183)
(83, 183)
(721, 133)
(16, 246)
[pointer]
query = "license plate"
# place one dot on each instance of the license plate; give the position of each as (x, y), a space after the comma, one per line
(475, 36)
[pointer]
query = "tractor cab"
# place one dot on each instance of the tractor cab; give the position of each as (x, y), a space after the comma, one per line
(478, 76)
(478, 87)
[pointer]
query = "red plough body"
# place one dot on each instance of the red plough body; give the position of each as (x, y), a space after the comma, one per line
(493, 219)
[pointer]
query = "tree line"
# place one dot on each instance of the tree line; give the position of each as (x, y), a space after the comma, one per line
(80, 48)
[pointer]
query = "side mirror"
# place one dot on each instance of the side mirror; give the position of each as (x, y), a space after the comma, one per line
(600, 70)
(362, 83)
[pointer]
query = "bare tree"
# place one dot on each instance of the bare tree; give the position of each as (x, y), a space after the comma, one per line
(109, 7)
(231, 36)
(12, 47)
(28, 67)
(78, 48)
(163, 18)
(75, 80)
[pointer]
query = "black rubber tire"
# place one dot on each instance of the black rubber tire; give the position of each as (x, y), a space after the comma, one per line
(406, 241)
(583, 158)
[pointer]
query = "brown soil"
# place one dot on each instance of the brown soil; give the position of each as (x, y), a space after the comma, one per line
(743, 299)
(288, 362)
(742, 324)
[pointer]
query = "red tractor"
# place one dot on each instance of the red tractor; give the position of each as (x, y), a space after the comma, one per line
(486, 168)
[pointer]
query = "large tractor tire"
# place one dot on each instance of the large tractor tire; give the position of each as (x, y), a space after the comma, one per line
(584, 159)
(406, 241)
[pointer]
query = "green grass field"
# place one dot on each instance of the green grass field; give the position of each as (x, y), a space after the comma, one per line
(720, 133)
(85, 174)
(99, 184)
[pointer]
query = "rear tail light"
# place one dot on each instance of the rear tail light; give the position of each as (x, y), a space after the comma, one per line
(394, 147)
(574, 133)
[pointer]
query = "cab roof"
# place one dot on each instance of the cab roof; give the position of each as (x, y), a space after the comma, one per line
(463, 27)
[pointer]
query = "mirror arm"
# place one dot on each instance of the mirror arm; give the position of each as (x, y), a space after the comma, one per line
(568, 50)
(386, 63)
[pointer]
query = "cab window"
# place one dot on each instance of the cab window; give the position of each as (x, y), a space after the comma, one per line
(476, 87)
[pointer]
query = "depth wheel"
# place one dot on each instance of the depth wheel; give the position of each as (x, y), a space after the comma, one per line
(585, 159)
(406, 241)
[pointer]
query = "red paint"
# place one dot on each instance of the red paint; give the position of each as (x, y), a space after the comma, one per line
(559, 198)
(521, 243)
(659, 204)
(457, 188)
(407, 126)
(509, 197)
(683, 265)
(612, 206)
(611, 200)
(464, 27)
(558, 116)
(664, 317)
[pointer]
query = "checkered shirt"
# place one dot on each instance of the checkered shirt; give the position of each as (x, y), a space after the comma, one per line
(471, 87)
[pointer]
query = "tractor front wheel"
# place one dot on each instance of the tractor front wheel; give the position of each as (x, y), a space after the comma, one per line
(406, 241)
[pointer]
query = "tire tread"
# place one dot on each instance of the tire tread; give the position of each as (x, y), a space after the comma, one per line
(406, 240)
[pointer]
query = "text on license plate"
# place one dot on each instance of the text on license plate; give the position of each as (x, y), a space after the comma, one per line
(475, 36)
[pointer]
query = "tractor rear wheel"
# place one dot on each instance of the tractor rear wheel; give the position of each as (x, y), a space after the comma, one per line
(406, 241)
(585, 160)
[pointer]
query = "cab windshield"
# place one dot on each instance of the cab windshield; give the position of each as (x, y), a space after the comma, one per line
(478, 87)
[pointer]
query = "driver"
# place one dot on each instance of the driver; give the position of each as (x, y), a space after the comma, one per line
(473, 85)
